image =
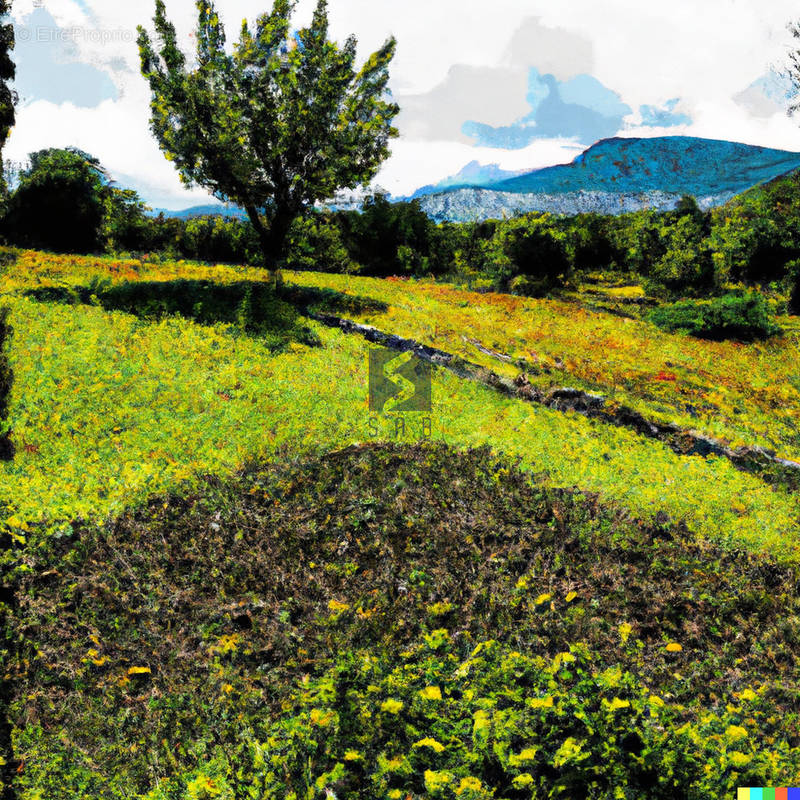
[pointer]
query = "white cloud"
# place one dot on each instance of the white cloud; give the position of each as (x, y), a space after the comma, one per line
(415, 163)
(703, 52)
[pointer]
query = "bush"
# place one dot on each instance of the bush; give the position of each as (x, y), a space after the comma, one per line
(221, 240)
(794, 286)
(315, 243)
(526, 254)
(733, 316)
(389, 238)
(6, 450)
(686, 266)
(501, 724)
(59, 204)
(527, 286)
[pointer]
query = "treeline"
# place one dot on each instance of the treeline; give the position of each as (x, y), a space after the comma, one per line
(65, 202)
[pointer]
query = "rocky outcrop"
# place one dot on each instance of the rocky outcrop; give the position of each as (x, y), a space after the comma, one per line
(470, 204)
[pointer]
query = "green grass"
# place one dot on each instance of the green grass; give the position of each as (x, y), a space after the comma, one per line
(107, 408)
(202, 583)
(361, 619)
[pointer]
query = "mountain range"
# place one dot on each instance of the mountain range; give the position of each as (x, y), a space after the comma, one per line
(619, 175)
(613, 176)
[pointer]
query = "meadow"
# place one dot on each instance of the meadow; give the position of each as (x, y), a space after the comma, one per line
(233, 580)
(109, 406)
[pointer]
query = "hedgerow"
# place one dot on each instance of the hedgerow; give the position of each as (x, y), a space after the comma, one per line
(732, 316)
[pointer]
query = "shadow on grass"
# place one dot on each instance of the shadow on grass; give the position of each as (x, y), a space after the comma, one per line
(253, 307)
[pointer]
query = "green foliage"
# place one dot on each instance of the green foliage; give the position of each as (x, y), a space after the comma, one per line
(686, 266)
(59, 204)
(532, 247)
(592, 242)
(387, 238)
(316, 243)
(505, 725)
(6, 377)
(745, 317)
(126, 226)
(793, 269)
(7, 73)
(388, 620)
(757, 234)
(220, 240)
(282, 122)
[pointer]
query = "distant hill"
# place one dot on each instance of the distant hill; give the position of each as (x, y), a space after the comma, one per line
(202, 211)
(614, 176)
(619, 175)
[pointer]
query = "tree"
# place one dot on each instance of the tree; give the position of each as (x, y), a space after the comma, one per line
(278, 124)
(59, 204)
(529, 254)
(125, 222)
(7, 73)
(389, 238)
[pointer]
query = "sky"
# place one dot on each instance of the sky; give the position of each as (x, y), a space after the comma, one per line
(516, 83)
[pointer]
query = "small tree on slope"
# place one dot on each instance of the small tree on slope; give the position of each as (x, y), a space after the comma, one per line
(278, 124)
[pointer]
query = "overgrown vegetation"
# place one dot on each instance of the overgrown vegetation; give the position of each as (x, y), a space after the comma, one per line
(6, 376)
(753, 241)
(58, 204)
(390, 621)
(744, 317)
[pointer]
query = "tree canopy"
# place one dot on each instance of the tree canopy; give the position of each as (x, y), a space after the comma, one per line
(60, 202)
(279, 123)
(7, 73)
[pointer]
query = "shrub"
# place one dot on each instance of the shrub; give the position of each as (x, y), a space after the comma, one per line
(794, 286)
(59, 204)
(220, 240)
(126, 226)
(733, 316)
(686, 266)
(536, 250)
(526, 254)
(6, 450)
(315, 243)
(389, 238)
(527, 286)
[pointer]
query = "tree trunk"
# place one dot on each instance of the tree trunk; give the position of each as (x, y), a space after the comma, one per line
(273, 238)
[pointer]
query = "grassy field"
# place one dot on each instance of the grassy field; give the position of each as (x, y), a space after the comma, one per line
(109, 406)
(227, 585)
(745, 394)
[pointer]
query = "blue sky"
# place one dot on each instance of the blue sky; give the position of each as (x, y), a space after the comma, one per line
(518, 83)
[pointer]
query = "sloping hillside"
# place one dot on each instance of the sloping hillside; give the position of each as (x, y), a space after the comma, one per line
(675, 164)
(401, 622)
(233, 580)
